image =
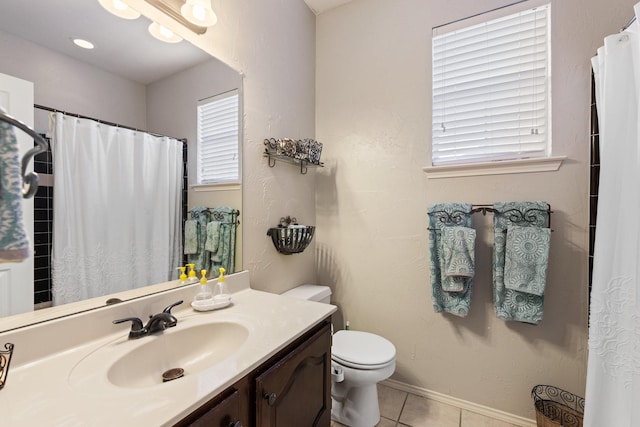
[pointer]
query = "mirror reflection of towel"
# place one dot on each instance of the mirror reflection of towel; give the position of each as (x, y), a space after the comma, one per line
(191, 237)
(14, 242)
(213, 236)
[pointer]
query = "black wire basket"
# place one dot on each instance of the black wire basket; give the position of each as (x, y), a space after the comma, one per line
(291, 240)
(556, 407)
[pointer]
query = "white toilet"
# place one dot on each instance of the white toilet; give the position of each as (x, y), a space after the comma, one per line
(359, 360)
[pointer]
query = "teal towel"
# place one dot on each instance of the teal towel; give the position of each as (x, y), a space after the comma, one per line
(526, 259)
(452, 214)
(201, 258)
(213, 236)
(458, 255)
(510, 304)
(225, 256)
(191, 237)
(14, 242)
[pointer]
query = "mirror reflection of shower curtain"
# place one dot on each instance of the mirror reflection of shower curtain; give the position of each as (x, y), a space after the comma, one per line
(117, 209)
(613, 371)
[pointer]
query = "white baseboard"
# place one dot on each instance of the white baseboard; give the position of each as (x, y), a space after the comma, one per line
(462, 404)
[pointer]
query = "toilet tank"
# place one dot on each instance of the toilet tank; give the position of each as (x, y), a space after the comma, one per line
(308, 292)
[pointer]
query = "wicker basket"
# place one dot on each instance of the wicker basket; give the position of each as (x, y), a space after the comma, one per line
(556, 407)
(291, 240)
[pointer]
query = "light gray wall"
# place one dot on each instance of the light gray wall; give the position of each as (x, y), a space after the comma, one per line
(373, 113)
(67, 84)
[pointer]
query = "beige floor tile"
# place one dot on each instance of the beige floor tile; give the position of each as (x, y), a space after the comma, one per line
(391, 402)
(471, 419)
(385, 422)
(422, 412)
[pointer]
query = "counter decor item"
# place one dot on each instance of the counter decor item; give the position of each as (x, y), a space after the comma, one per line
(556, 407)
(5, 360)
(289, 237)
(305, 152)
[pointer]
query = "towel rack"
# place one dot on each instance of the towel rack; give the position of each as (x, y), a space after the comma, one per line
(218, 216)
(30, 180)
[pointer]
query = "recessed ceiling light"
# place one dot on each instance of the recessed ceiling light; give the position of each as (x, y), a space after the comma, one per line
(163, 33)
(83, 43)
(120, 9)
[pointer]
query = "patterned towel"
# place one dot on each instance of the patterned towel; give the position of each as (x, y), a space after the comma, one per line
(191, 236)
(442, 215)
(458, 253)
(14, 242)
(201, 258)
(510, 304)
(213, 236)
(526, 259)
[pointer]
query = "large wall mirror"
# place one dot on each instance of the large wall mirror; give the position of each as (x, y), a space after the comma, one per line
(130, 79)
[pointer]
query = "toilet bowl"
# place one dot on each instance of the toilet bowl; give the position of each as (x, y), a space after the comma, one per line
(359, 360)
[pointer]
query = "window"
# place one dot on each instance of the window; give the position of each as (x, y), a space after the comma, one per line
(218, 139)
(491, 90)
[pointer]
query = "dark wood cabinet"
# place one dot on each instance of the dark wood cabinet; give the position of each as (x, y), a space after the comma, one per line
(291, 389)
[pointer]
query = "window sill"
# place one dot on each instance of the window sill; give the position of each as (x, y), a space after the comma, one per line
(543, 164)
(233, 186)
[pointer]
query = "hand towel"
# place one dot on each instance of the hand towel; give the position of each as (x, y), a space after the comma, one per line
(201, 258)
(213, 236)
(510, 304)
(526, 259)
(226, 253)
(458, 254)
(191, 236)
(442, 215)
(14, 242)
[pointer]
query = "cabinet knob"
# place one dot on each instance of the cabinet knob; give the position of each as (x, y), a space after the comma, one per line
(270, 398)
(236, 424)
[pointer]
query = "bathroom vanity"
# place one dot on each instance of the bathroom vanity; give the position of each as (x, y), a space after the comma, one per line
(263, 361)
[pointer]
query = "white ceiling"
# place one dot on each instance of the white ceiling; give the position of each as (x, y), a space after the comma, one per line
(319, 6)
(123, 47)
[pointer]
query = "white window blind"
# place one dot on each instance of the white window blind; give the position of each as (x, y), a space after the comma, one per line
(491, 90)
(218, 139)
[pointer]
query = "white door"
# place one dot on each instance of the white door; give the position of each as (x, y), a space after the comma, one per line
(16, 279)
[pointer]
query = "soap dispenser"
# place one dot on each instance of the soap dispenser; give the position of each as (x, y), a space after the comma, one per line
(222, 291)
(183, 275)
(204, 290)
(192, 274)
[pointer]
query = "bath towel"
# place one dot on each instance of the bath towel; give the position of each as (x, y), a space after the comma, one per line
(14, 242)
(225, 256)
(191, 237)
(458, 252)
(201, 258)
(526, 259)
(213, 236)
(442, 215)
(510, 304)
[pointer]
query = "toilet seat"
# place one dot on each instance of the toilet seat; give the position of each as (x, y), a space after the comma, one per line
(362, 350)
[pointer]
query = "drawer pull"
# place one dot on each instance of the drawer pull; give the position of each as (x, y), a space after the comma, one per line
(270, 398)
(236, 424)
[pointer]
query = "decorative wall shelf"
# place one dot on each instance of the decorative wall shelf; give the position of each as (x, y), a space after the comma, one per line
(289, 237)
(303, 152)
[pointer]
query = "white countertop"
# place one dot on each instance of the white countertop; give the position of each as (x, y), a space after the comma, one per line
(39, 391)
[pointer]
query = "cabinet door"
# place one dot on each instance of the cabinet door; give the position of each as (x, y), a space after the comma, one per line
(231, 411)
(296, 391)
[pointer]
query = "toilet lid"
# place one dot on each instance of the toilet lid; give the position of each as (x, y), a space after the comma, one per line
(361, 349)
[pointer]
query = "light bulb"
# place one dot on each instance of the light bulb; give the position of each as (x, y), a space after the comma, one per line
(119, 8)
(199, 12)
(163, 33)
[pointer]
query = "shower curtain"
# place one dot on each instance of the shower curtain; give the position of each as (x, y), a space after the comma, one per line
(613, 373)
(117, 208)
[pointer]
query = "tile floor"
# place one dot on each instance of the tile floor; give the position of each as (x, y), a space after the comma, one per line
(402, 409)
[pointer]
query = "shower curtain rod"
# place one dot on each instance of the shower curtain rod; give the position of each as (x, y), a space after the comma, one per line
(54, 110)
(631, 21)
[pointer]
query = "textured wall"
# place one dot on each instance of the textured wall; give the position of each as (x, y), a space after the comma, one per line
(373, 113)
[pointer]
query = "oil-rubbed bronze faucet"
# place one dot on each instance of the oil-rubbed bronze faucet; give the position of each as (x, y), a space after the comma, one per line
(157, 323)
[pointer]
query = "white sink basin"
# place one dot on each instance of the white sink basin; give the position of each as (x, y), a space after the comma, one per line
(141, 363)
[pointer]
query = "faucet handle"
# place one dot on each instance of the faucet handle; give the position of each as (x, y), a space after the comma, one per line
(169, 307)
(136, 324)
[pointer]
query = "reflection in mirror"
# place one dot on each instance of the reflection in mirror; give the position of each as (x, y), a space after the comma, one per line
(129, 79)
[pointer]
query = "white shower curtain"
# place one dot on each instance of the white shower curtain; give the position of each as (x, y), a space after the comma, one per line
(613, 373)
(117, 209)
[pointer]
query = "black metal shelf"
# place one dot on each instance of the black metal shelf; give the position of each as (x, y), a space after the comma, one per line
(304, 164)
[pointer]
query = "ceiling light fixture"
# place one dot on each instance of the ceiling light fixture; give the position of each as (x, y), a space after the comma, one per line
(199, 12)
(83, 43)
(120, 9)
(163, 33)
